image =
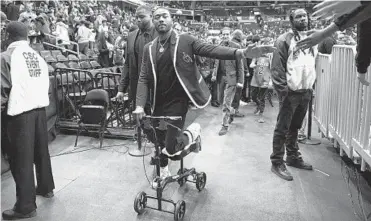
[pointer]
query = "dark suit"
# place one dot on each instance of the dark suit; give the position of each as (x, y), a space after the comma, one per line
(132, 65)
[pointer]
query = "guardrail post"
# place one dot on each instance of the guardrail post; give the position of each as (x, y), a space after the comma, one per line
(309, 140)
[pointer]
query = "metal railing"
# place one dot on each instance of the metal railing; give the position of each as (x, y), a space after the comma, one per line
(56, 46)
(343, 105)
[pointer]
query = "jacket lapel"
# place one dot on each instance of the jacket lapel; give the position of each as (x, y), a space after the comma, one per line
(131, 42)
(174, 46)
(153, 53)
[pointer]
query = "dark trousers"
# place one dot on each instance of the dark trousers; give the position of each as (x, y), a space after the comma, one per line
(258, 95)
(28, 144)
(214, 92)
(246, 91)
(169, 137)
(293, 108)
(237, 98)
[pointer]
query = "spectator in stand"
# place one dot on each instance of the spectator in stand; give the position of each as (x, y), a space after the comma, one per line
(12, 11)
(83, 36)
(61, 32)
(105, 50)
(28, 15)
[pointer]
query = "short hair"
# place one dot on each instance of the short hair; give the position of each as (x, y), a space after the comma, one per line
(255, 38)
(146, 8)
(225, 29)
(157, 8)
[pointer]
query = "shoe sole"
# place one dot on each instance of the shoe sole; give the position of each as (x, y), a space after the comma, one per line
(283, 177)
(27, 216)
(303, 168)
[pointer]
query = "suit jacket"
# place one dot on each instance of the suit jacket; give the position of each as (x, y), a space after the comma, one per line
(132, 64)
(183, 49)
(234, 69)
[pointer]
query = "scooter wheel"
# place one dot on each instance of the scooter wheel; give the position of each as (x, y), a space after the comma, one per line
(200, 181)
(183, 180)
(140, 202)
(179, 210)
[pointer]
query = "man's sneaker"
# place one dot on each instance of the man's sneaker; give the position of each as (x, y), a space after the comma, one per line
(256, 112)
(46, 195)
(281, 171)
(261, 120)
(301, 137)
(298, 163)
(164, 172)
(223, 131)
(231, 118)
(13, 215)
(238, 114)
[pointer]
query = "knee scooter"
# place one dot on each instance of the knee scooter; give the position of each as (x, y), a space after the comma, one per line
(140, 202)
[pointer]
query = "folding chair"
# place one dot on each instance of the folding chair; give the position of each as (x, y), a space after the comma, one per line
(94, 113)
(72, 57)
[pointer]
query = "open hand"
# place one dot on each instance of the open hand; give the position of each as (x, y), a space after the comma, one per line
(254, 51)
(139, 114)
(334, 8)
(362, 79)
(315, 37)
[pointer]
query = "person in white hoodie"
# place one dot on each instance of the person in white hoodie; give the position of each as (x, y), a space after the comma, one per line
(24, 96)
(61, 32)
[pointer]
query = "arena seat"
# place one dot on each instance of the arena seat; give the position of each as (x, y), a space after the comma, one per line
(74, 65)
(83, 57)
(60, 65)
(95, 64)
(50, 59)
(85, 65)
(45, 53)
(72, 57)
(61, 58)
(50, 69)
(55, 53)
(93, 113)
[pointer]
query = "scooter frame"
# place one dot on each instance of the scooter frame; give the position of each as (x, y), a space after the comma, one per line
(140, 202)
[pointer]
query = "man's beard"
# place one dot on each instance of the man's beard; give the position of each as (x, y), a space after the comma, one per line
(300, 27)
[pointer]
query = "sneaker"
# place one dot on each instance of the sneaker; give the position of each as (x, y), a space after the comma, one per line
(164, 172)
(231, 118)
(46, 195)
(223, 131)
(238, 114)
(301, 137)
(13, 215)
(256, 112)
(298, 163)
(261, 120)
(281, 171)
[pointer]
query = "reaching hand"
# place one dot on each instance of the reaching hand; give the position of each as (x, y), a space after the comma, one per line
(362, 79)
(333, 8)
(315, 37)
(254, 51)
(213, 78)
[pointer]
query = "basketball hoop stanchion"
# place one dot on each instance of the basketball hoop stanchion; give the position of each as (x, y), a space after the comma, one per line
(139, 152)
(309, 140)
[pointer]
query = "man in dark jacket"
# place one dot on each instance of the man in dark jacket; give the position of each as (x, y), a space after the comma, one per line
(134, 53)
(12, 11)
(170, 72)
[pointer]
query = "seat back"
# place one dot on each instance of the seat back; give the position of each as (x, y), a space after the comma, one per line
(97, 97)
(93, 114)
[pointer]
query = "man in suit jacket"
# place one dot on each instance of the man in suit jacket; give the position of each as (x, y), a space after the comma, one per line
(133, 55)
(169, 70)
(231, 76)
